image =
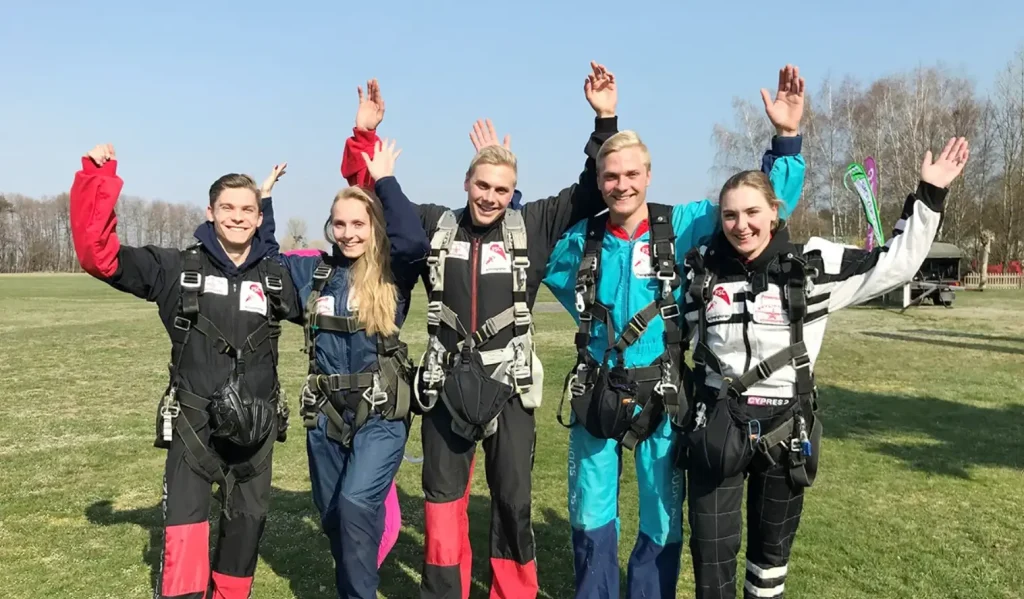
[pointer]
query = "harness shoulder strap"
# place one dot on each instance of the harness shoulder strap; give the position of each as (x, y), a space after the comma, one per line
(322, 273)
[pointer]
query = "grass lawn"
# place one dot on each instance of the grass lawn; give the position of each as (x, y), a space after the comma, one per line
(919, 493)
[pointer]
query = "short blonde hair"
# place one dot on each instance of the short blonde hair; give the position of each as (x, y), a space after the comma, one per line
(621, 141)
(494, 156)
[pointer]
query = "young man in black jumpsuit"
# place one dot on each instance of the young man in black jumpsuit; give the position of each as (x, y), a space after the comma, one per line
(220, 302)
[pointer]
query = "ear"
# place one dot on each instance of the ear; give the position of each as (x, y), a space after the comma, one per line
(465, 186)
(647, 183)
(259, 221)
(209, 213)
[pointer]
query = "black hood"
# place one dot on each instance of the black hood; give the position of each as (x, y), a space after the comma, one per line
(732, 263)
(206, 235)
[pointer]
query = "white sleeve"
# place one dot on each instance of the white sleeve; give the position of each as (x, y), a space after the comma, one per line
(855, 276)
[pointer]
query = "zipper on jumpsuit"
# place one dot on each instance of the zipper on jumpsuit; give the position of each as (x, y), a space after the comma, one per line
(473, 257)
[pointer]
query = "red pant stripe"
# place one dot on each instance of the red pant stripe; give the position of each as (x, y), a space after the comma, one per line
(186, 559)
(231, 587)
(512, 580)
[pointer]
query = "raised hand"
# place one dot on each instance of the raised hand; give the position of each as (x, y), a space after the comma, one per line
(268, 184)
(371, 106)
(787, 109)
(601, 91)
(101, 154)
(949, 165)
(482, 136)
(383, 162)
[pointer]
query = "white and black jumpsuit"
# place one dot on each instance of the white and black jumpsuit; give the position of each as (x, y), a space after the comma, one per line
(757, 329)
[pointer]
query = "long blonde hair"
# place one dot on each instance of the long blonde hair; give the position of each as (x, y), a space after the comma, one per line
(371, 283)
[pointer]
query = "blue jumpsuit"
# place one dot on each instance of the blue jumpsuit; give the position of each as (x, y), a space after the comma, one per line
(350, 484)
(595, 464)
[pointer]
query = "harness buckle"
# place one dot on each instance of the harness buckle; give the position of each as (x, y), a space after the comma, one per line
(662, 386)
(273, 283)
(520, 262)
(376, 399)
(322, 271)
(521, 315)
(434, 313)
(669, 311)
(802, 361)
(334, 382)
(182, 324)
(191, 280)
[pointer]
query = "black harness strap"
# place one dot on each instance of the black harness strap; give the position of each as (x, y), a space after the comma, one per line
(664, 371)
(334, 394)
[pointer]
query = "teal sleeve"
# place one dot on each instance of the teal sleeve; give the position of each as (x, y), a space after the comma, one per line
(560, 276)
(787, 177)
(692, 223)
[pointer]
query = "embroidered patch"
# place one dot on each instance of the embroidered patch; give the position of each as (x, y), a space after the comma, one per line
(215, 285)
(325, 305)
(768, 309)
(494, 259)
(252, 298)
(641, 261)
(460, 250)
(720, 306)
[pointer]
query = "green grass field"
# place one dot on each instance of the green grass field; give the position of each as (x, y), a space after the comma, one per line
(919, 492)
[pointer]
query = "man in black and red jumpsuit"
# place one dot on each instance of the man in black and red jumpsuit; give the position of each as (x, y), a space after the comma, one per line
(238, 302)
(476, 291)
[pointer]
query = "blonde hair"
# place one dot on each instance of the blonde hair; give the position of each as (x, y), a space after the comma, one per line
(371, 284)
(757, 181)
(495, 156)
(621, 141)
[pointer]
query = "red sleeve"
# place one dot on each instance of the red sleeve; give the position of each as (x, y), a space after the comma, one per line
(93, 221)
(353, 167)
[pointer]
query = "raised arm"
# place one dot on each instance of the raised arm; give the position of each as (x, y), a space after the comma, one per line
(268, 228)
(409, 241)
(583, 199)
(853, 276)
(148, 272)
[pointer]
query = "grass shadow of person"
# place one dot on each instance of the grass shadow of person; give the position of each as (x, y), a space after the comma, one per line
(149, 518)
(295, 549)
(946, 343)
(962, 435)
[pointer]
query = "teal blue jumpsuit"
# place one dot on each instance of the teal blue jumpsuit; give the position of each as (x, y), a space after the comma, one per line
(595, 464)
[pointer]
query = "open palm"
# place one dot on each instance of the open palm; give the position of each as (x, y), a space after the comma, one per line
(787, 109)
(949, 165)
(383, 162)
(601, 90)
(371, 106)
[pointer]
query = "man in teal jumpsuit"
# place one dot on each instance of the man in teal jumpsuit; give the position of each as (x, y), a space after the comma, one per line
(626, 283)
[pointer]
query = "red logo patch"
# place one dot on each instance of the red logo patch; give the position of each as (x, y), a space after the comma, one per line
(722, 293)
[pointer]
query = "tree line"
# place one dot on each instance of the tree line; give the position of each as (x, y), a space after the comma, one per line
(35, 234)
(896, 119)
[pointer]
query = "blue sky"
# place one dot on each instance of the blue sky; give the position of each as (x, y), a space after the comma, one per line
(187, 91)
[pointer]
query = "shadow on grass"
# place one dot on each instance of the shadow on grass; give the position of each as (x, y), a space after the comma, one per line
(960, 436)
(964, 335)
(946, 343)
(300, 554)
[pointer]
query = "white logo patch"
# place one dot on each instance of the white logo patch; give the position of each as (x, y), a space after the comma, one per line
(252, 298)
(768, 309)
(642, 261)
(494, 259)
(460, 250)
(215, 285)
(720, 306)
(325, 305)
(766, 401)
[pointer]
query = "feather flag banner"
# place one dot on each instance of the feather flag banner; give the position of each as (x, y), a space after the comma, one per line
(855, 174)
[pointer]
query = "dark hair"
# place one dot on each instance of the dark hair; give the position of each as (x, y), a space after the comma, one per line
(232, 181)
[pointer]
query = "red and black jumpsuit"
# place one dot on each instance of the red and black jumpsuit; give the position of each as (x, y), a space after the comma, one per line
(475, 290)
(234, 299)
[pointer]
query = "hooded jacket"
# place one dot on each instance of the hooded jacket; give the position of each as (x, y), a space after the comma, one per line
(748, 318)
(233, 297)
